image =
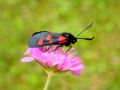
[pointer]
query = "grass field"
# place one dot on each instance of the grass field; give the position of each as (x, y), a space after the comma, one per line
(101, 56)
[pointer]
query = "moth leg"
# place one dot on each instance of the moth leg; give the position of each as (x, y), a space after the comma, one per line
(48, 48)
(70, 46)
(57, 48)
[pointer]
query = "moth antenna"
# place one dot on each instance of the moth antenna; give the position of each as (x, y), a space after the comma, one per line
(87, 38)
(86, 28)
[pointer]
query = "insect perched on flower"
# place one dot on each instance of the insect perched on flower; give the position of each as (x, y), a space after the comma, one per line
(45, 38)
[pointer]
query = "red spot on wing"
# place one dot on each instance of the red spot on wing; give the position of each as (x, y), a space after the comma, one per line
(40, 42)
(62, 39)
(48, 37)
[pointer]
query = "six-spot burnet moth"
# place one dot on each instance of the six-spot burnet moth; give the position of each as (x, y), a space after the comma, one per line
(46, 38)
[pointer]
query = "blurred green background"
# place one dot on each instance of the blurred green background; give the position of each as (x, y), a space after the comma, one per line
(101, 56)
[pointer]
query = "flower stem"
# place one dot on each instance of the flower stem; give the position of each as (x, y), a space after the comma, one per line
(50, 74)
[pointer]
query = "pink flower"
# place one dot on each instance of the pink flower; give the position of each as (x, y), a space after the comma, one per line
(56, 61)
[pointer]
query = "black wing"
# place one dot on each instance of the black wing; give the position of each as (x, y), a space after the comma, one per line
(40, 39)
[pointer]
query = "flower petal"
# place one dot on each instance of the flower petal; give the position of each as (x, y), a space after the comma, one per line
(28, 51)
(27, 59)
(76, 72)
